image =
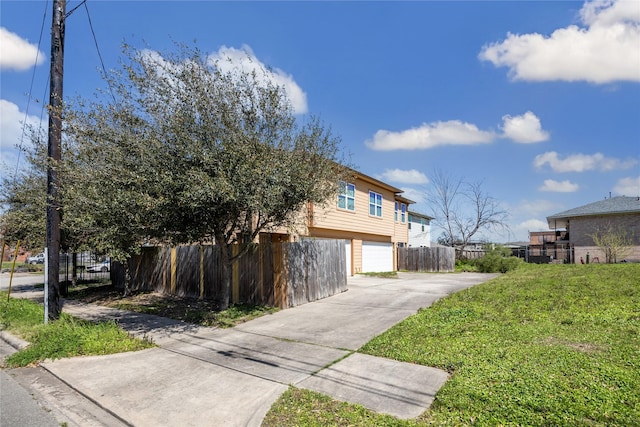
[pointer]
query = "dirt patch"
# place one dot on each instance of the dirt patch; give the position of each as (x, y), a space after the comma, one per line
(582, 347)
(173, 307)
(191, 310)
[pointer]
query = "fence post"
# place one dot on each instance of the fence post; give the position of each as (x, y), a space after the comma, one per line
(201, 251)
(235, 275)
(174, 270)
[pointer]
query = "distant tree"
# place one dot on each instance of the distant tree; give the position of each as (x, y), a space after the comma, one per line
(462, 209)
(614, 242)
(186, 152)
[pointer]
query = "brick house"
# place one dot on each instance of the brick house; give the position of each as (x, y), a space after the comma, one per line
(618, 213)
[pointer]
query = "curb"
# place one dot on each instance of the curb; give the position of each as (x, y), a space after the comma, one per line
(13, 341)
(19, 344)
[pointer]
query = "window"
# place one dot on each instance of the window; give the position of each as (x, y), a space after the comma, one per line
(403, 212)
(375, 204)
(347, 196)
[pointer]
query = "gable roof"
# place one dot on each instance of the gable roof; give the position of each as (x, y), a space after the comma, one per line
(396, 191)
(420, 215)
(610, 206)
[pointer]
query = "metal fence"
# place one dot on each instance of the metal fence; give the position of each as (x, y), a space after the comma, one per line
(88, 266)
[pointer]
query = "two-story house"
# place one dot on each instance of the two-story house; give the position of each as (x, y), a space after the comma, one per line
(419, 230)
(371, 216)
(548, 246)
(619, 214)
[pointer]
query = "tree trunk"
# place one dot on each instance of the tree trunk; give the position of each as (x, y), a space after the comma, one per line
(127, 278)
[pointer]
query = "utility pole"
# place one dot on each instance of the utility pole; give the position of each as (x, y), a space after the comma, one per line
(54, 207)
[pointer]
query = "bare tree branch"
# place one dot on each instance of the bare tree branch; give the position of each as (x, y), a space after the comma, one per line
(462, 209)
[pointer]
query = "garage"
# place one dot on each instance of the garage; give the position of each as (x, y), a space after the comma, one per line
(377, 257)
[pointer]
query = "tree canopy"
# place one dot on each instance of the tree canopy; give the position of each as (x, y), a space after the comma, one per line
(182, 150)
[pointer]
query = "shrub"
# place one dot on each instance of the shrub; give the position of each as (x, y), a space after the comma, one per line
(494, 262)
(465, 265)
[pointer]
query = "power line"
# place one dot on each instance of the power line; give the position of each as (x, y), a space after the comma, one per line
(95, 40)
(74, 9)
(29, 99)
(33, 75)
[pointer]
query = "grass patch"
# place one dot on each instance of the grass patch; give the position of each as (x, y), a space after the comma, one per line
(298, 407)
(66, 337)
(191, 310)
(22, 267)
(542, 345)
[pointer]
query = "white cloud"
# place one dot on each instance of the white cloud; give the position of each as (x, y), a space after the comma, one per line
(604, 50)
(17, 53)
(581, 162)
(229, 58)
(523, 228)
(534, 207)
(429, 135)
(559, 186)
(411, 176)
(628, 187)
(534, 225)
(524, 129)
(11, 120)
(418, 196)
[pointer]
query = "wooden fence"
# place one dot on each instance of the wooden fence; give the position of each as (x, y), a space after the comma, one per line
(436, 259)
(275, 274)
(472, 253)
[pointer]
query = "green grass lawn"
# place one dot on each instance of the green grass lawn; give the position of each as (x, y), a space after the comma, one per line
(65, 337)
(545, 345)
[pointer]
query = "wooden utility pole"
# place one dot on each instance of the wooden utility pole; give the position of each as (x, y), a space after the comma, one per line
(54, 207)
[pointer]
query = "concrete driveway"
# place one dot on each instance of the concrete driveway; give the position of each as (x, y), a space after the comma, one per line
(231, 377)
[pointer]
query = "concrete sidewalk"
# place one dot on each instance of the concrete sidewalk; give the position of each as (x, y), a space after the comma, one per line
(231, 377)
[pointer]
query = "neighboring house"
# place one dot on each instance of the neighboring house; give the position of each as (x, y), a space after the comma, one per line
(10, 251)
(546, 246)
(369, 215)
(618, 213)
(518, 249)
(419, 229)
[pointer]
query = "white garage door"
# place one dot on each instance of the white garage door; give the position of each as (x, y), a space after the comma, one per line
(347, 247)
(377, 257)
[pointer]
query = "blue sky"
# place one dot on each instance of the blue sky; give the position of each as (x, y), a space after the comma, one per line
(538, 100)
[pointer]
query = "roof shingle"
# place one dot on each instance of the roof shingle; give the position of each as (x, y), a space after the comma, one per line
(613, 205)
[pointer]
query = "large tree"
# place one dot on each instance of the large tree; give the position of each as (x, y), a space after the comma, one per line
(462, 209)
(184, 150)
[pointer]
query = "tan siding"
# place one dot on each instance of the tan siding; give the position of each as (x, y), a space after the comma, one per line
(401, 232)
(357, 255)
(357, 226)
(330, 217)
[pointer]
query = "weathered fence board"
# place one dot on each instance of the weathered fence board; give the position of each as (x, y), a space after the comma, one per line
(317, 269)
(436, 259)
(275, 274)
